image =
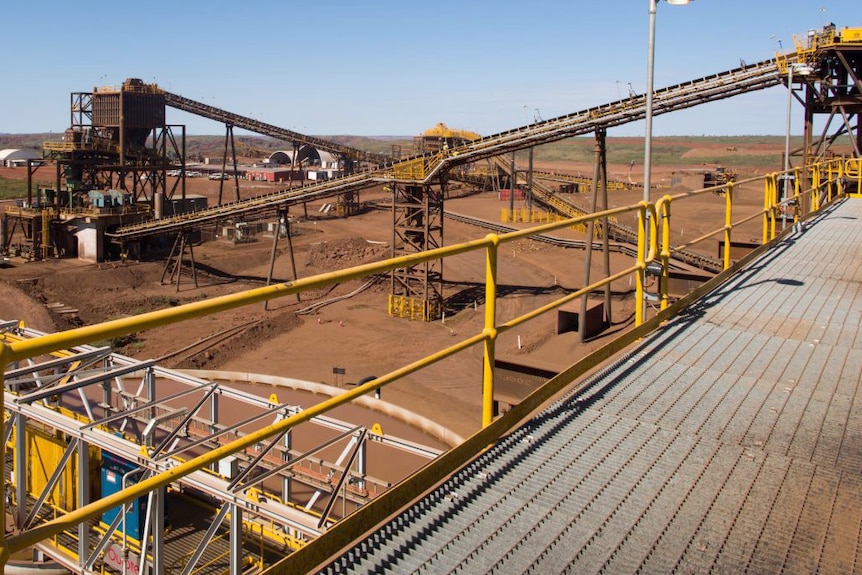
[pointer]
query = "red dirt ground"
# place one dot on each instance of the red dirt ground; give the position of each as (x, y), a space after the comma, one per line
(354, 333)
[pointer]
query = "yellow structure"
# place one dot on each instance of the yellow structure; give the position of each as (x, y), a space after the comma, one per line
(443, 131)
(654, 221)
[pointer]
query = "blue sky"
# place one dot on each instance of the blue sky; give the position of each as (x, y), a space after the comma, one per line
(390, 67)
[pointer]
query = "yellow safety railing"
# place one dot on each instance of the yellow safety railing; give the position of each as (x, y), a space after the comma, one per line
(853, 172)
(416, 169)
(824, 182)
(11, 350)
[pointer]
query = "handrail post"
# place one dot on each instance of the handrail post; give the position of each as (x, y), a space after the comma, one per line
(663, 209)
(490, 330)
(728, 222)
(640, 302)
(796, 195)
(842, 176)
(767, 185)
(774, 207)
(4, 549)
(815, 187)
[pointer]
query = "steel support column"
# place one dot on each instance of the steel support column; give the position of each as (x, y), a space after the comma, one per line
(417, 213)
(83, 498)
(20, 422)
(600, 180)
(235, 540)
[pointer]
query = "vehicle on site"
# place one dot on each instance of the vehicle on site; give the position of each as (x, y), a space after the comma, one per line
(718, 177)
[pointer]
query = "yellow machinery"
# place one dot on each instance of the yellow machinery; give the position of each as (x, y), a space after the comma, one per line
(442, 137)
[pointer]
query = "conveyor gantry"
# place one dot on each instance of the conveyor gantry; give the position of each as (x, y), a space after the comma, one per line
(712, 88)
(252, 125)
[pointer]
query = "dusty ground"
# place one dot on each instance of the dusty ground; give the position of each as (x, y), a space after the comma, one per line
(356, 334)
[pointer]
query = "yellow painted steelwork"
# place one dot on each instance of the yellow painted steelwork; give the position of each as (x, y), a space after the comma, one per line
(351, 527)
(417, 169)
(851, 35)
(535, 216)
(19, 350)
(443, 131)
(823, 177)
(44, 451)
(853, 171)
(493, 428)
(413, 308)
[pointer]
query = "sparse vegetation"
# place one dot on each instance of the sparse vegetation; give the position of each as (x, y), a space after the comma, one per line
(12, 188)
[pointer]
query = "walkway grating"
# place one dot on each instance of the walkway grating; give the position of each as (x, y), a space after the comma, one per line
(730, 441)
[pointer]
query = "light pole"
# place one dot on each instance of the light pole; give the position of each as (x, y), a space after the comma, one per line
(802, 70)
(653, 5)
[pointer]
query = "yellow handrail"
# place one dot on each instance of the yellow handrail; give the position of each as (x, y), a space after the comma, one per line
(22, 349)
(649, 218)
(822, 175)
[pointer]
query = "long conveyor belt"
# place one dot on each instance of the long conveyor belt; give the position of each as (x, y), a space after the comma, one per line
(708, 89)
(246, 123)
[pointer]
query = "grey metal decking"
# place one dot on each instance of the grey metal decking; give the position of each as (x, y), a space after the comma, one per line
(730, 441)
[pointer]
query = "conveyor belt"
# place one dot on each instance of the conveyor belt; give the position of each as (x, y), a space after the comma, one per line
(258, 127)
(727, 443)
(711, 88)
(616, 231)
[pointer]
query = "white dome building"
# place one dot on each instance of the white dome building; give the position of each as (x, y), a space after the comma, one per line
(15, 157)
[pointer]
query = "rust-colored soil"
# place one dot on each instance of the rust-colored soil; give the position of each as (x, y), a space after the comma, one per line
(354, 333)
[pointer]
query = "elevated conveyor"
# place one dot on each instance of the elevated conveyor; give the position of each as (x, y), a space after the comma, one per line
(258, 127)
(712, 88)
(259, 205)
(429, 167)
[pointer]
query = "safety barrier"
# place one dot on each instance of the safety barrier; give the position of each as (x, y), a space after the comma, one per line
(533, 216)
(416, 169)
(826, 178)
(826, 181)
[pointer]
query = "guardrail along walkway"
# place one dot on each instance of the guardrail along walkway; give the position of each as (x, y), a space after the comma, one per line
(729, 442)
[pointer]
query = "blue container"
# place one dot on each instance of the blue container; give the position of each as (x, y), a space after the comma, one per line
(113, 470)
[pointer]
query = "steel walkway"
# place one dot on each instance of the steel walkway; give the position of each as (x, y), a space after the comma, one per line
(730, 441)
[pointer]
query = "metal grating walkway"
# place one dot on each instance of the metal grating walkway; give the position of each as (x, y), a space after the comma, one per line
(728, 442)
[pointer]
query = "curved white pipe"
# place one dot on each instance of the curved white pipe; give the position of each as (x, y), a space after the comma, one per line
(432, 428)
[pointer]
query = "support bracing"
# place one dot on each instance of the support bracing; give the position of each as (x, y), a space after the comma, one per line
(600, 180)
(175, 260)
(228, 139)
(417, 215)
(831, 74)
(282, 223)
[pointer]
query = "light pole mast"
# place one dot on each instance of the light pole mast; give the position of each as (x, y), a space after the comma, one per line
(653, 5)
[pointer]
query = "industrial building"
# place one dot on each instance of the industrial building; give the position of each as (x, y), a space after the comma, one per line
(18, 157)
